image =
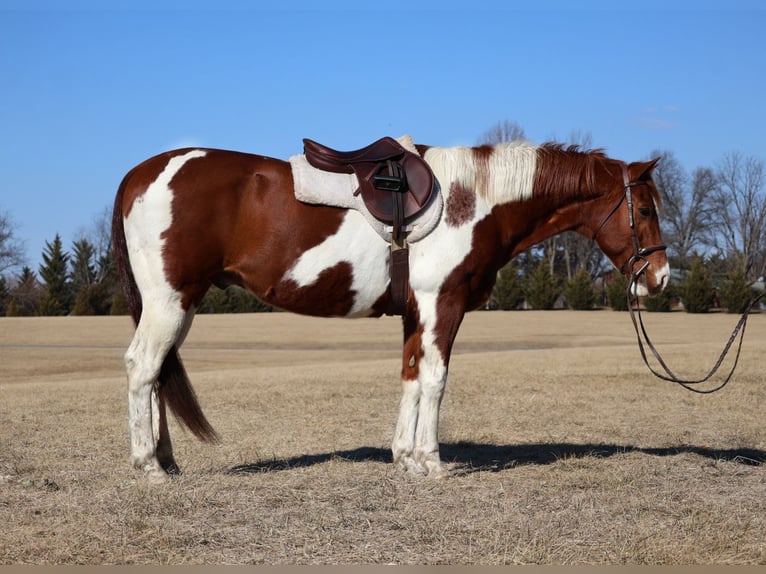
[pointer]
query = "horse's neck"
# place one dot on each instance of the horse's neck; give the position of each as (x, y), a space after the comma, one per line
(558, 203)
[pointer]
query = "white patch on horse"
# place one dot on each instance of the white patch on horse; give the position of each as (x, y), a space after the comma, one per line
(357, 244)
(511, 170)
(150, 215)
(661, 277)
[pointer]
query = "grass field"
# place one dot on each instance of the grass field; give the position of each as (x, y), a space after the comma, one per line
(563, 448)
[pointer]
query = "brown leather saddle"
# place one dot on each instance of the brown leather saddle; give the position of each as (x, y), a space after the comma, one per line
(396, 185)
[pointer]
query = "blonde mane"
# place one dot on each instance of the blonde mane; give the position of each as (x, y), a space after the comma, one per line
(499, 174)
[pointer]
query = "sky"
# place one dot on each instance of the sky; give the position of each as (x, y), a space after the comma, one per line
(87, 91)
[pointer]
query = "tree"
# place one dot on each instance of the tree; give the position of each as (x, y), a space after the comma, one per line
(617, 292)
(57, 297)
(697, 291)
(11, 249)
(579, 292)
(5, 296)
(686, 220)
(739, 213)
(542, 288)
(663, 301)
(83, 269)
(736, 292)
(25, 296)
(99, 235)
(504, 131)
(94, 275)
(94, 299)
(509, 291)
(233, 299)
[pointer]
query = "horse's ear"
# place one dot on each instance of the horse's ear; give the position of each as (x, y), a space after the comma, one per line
(642, 170)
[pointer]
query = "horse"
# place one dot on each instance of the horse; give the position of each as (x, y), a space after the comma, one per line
(191, 218)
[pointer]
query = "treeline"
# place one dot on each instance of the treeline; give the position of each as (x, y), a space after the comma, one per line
(526, 284)
(83, 281)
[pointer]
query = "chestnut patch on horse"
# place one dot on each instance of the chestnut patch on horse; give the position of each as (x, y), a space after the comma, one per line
(461, 205)
(333, 287)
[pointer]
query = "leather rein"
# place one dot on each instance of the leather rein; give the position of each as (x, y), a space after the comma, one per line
(640, 255)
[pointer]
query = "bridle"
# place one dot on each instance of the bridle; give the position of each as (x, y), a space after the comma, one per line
(640, 254)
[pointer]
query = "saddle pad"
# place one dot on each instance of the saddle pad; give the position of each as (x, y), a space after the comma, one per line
(319, 187)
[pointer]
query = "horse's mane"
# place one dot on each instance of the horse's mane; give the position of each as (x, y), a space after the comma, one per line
(567, 171)
(512, 171)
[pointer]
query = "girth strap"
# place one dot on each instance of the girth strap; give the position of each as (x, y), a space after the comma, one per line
(395, 180)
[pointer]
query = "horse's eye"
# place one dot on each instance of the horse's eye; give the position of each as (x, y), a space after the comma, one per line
(645, 211)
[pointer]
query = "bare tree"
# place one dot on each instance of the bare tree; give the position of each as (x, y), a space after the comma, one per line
(739, 211)
(11, 249)
(99, 235)
(686, 220)
(504, 131)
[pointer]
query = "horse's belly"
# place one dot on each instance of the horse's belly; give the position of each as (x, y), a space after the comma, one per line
(345, 275)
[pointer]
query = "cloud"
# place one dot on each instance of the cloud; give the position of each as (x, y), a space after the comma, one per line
(658, 117)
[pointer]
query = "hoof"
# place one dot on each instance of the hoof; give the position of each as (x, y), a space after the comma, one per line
(152, 470)
(410, 466)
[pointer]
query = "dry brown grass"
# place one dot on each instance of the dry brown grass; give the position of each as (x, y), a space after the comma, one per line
(564, 449)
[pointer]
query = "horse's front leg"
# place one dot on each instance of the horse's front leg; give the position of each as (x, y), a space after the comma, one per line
(404, 437)
(433, 380)
(427, 347)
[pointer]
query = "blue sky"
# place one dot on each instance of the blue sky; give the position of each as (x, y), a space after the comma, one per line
(87, 92)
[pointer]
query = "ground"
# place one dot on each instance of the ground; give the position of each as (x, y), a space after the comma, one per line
(563, 448)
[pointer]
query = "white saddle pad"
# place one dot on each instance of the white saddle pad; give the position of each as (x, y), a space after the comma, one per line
(319, 187)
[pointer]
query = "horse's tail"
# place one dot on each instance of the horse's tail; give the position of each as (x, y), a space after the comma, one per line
(174, 387)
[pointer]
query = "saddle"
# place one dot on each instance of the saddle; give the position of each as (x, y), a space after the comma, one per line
(395, 184)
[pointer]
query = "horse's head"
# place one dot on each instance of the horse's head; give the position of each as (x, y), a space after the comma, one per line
(627, 228)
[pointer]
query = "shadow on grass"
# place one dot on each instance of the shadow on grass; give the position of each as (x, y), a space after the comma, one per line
(469, 457)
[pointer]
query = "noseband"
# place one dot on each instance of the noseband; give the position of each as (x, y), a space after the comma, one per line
(639, 253)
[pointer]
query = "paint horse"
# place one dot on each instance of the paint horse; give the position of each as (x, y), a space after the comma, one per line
(191, 218)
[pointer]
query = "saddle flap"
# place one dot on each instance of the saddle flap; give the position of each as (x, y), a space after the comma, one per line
(380, 202)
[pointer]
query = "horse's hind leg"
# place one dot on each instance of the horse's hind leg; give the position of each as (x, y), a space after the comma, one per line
(158, 330)
(159, 412)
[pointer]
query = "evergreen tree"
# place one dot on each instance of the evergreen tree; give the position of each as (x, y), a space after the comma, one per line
(662, 302)
(25, 296)
(92, 287)
(95, 299)
(57, 292)
(83, 270)
(508, 292)
(579, 292)
(617, 292)
(736, 292)
(697, 291)
(542, 289)
(233, 299)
